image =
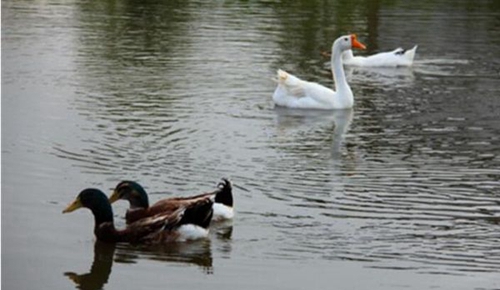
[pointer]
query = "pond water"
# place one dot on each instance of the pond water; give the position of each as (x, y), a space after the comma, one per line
(401, 192)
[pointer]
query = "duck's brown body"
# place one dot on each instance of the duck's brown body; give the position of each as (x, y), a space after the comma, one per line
(139, 204)
(164, 206)
(160, 228)
(145, 231)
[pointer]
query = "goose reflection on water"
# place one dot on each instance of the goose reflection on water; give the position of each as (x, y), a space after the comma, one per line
(197, 253)
(342, 120)
(295, 122)
(381, 77)
(389, 78)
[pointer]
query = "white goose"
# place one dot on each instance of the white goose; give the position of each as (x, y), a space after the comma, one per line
(397, 57)
(293, 92)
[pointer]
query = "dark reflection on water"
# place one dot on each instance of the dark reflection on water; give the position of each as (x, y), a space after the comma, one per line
(191, 253)
(99, 271)
(196, 253)
(177, 94)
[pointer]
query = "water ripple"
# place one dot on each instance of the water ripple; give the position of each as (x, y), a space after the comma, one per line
(408, 180)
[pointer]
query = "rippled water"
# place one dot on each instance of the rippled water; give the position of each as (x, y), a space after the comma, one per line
(400, 192)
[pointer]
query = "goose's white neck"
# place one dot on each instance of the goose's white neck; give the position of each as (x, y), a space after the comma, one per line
(347, 55)
(344, 95)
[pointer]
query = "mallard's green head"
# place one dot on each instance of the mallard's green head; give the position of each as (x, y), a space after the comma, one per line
(96, 201)
(131, 191)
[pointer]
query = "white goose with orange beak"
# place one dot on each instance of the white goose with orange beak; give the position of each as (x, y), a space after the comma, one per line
(295, 93)
(396, 58)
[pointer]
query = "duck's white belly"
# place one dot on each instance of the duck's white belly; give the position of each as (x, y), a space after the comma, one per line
(222, 212)
(191, 232)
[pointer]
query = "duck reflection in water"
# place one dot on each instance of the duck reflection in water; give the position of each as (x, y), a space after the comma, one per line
(195, 252)
(198, 252)
(99, 271)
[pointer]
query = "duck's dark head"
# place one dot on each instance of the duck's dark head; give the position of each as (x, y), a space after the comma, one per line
(131, 191)
(96, 201)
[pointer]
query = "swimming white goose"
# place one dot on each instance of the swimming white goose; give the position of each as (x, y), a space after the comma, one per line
(293, 92)
(397, 57)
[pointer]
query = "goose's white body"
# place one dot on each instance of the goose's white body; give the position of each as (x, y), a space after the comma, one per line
(397, 57)
(295, 93)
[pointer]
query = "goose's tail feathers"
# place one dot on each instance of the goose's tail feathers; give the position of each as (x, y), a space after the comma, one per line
(410, 53)
(282, 76)
(287, 80)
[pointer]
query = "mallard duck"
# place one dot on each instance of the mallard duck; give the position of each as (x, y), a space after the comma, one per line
(188, 222)
(293, 92)
(139, 202)
(395, 58)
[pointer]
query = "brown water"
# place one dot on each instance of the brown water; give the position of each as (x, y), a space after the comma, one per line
(402, 192)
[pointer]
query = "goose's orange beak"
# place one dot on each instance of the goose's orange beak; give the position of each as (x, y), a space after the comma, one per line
(355, 43)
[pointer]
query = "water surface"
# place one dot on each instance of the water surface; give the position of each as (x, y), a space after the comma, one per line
(401, 192)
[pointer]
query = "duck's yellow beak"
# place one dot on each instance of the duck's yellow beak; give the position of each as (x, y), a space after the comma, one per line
(114, 197)
(76, 204)
(355, 43)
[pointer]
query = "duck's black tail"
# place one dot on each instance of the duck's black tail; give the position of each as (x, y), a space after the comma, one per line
(225, 193)
(199, 213)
